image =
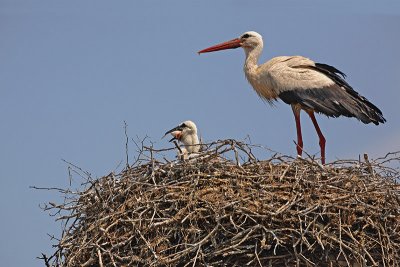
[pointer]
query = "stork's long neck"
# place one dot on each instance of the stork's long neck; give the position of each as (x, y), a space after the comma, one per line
(250, 65)
(260, 80)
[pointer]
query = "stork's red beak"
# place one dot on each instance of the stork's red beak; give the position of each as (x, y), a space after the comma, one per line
(235, 43)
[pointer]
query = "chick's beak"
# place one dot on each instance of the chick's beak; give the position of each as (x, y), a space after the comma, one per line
(176, 129)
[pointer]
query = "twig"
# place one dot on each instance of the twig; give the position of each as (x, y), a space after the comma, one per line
(126, 144)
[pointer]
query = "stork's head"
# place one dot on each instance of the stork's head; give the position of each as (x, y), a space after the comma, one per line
(182, 130)
(248, 40)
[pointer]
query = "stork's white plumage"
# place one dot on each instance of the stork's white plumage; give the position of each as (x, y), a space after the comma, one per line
(186, 133)
(302, 83)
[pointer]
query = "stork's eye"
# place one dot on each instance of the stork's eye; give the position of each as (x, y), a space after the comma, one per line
(183, 125)
(245, 35)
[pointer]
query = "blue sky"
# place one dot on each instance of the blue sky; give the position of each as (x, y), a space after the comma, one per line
(71, 73)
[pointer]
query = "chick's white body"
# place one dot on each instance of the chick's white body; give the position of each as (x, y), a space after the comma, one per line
(189, 138)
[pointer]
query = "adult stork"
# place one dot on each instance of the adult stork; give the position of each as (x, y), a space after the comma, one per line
(186, 133)
(303, 84)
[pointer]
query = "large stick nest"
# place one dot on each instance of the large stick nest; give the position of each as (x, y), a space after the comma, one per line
(225, 208)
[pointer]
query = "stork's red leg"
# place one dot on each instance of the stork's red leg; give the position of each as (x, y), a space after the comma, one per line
(299, 147)
(322, 139)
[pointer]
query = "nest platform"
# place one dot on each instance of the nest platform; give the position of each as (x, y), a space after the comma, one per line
(226, 208)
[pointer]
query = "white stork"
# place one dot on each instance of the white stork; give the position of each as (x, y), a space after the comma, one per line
(303, 84)
(186, 133)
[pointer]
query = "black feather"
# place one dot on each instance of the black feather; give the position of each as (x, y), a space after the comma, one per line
(329, 69)
(334, 101)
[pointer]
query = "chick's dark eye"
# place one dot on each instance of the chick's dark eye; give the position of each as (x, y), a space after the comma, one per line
(183, 125)
(246, 35)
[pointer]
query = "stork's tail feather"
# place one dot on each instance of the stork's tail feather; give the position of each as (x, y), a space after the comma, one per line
(364, 110)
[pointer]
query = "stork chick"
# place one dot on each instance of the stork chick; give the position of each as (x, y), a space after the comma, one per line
(186, 133)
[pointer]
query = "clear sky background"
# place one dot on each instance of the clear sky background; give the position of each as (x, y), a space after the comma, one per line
(71, 73)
